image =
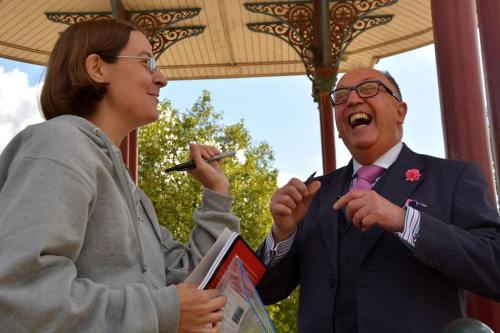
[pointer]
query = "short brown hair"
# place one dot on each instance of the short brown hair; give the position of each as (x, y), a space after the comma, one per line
(68, 89)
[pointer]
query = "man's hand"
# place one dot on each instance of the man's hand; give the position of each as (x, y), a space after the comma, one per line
(366, 208)
(199, 309)
(289, 205)
(208, 173)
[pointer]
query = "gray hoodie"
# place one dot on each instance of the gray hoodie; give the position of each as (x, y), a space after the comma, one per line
(80, 245)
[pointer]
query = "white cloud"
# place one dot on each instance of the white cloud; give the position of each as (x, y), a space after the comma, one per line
(18, 104)
(240, 155)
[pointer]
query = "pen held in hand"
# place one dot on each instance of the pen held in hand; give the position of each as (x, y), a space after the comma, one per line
(310, 178)
(191, 165)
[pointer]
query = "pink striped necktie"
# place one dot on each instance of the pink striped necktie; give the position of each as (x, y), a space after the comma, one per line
(366, 175)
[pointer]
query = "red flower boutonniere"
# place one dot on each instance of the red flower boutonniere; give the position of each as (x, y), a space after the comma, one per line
(412, 175)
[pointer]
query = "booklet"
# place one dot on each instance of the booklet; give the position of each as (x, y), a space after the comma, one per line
(212, 267)
(244, 311)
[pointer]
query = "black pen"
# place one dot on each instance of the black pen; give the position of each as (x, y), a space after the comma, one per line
(191, 165)
(310, 178)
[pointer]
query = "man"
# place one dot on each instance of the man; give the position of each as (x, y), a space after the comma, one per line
(395, 257)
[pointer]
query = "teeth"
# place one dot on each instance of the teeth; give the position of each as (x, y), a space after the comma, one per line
(356, 116)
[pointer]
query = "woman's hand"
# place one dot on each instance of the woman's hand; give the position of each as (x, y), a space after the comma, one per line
(208, 173)
(200, 310)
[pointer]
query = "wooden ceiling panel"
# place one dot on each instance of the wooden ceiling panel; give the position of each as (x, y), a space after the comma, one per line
(226, 48)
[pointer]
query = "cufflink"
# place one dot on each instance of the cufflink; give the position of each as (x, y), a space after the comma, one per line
(414, 204)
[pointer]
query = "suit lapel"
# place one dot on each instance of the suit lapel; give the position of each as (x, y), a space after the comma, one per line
(328, 218)
(394, 187)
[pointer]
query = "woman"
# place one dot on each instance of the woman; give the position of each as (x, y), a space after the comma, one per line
(81, 249)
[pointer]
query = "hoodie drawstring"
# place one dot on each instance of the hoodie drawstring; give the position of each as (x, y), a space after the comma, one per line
(120, 170)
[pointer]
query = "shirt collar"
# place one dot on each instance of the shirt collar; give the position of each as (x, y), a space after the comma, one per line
(384, 161)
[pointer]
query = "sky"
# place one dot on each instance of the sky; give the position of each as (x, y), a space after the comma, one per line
(277, 110)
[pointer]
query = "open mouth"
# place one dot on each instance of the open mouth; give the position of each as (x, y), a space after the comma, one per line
(359, 119)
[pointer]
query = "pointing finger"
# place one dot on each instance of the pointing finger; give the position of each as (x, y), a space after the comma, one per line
(342, 201)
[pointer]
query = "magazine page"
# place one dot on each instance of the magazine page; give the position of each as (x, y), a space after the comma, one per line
(244, 311)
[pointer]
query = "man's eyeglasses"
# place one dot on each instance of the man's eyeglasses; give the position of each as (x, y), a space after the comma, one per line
(364, 90)
(151, 62)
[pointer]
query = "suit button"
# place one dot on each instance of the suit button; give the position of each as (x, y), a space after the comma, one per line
(438, 262)
(332, 282)
(346, 239)
(342, 260)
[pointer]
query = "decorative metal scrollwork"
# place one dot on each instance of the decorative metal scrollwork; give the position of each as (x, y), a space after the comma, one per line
(72, 18)
(371, 5)
(294, 39)
(299, 16)
(367, 23)
(169, 36)
(156, 24)
(295, 25)
(348, 19)
(152, 21)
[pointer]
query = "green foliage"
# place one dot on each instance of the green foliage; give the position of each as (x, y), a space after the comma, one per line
(284, 313)
(175, 195)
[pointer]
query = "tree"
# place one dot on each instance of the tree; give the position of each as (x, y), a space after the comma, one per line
(175, 195)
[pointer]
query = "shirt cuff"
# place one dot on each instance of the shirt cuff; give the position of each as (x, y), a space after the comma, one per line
(274, 252)
(411, 227)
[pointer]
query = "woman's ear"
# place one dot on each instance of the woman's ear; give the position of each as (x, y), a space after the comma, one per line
(94, 67)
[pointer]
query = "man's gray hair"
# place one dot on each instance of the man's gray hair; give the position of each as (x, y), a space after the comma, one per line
(393, 81)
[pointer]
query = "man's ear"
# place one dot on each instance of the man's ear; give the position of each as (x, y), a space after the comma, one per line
(402, 109)
(94, 67)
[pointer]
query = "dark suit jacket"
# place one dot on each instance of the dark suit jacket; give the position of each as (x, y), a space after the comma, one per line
(398, 290)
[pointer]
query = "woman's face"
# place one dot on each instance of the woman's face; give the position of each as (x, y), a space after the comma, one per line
(133, 90)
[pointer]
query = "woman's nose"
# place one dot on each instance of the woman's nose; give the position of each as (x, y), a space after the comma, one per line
(159, 78)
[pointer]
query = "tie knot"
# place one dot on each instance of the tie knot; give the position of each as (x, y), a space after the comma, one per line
(370, 172)
(366, 175)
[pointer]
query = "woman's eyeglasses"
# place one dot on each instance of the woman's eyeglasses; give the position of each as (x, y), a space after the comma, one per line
(150, 61)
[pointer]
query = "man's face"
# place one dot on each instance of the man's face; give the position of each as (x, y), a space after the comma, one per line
(369, 126)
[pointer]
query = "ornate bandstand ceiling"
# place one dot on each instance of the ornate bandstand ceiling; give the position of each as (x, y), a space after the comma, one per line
(202, 39)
